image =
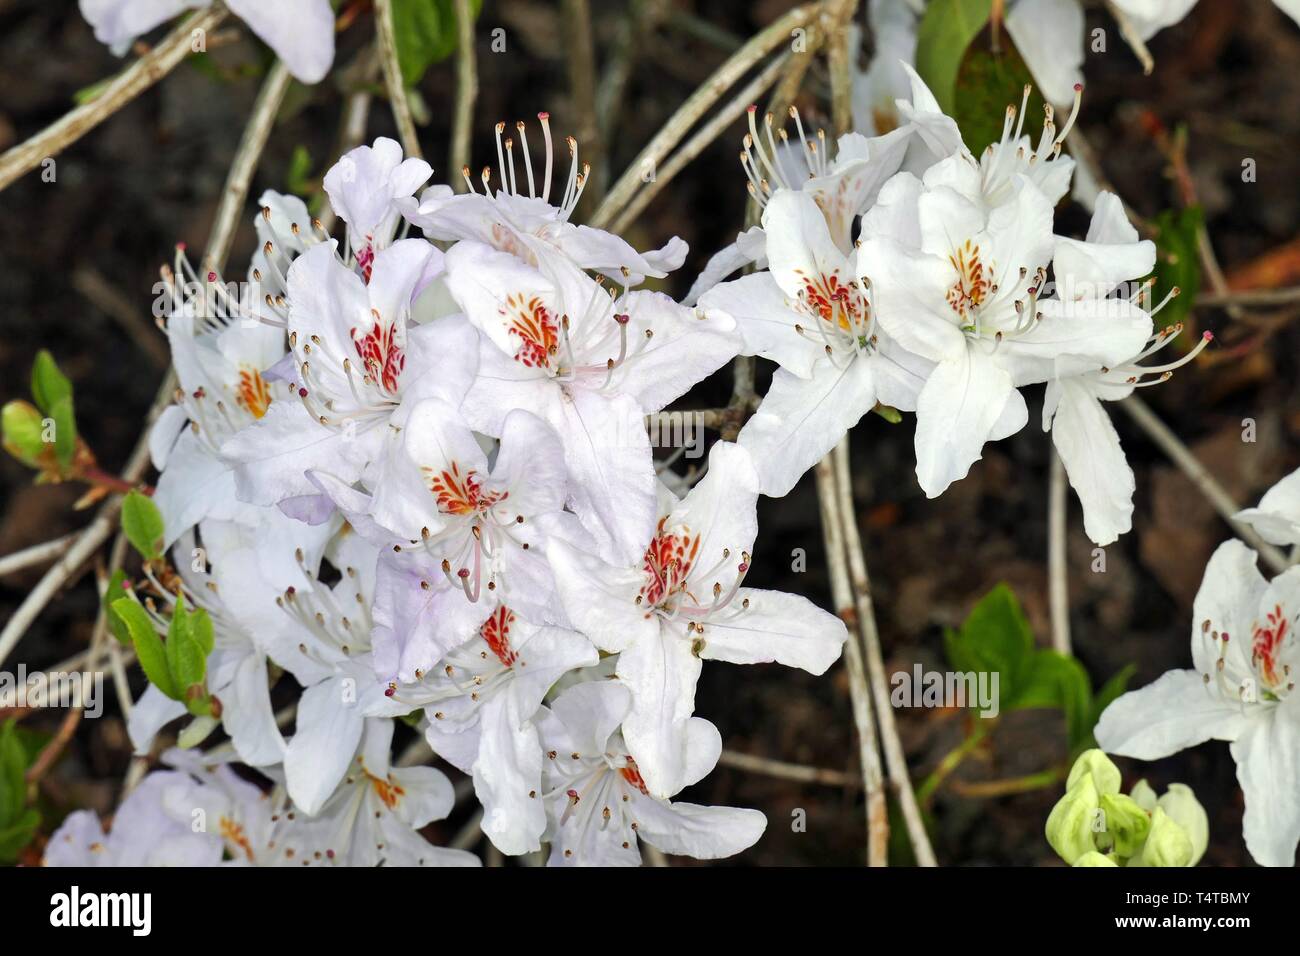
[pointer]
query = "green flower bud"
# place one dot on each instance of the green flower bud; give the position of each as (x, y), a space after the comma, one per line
(1144, 795)
(1093, 858)
(1167, 844)
(24, 434)
(1095, 763)
(1071, 826)
(1182, 807)
(1126, 825)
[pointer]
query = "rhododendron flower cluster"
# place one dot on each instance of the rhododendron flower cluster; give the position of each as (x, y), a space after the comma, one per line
(411, 475)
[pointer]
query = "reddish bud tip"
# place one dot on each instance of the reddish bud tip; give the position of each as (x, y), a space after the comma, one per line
(543, 115)
(1078, 87)
(1208, 335)
(212, 277)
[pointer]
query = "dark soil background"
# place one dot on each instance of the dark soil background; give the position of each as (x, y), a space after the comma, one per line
(150, 177)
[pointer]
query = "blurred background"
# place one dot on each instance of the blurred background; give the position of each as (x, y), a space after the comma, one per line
(79, 256)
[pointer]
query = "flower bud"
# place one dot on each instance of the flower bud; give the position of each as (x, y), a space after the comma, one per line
(1093, 858)
(1167, 843)
(1144, 795)
(1071, 826)
(1094, 763)
(1126, 825)
(1182, 807)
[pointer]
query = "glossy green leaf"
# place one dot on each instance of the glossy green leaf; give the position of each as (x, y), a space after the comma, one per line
(426, 34)
(187, 650)
(149, 649)
(945, 32)
(115, 592)
(49, 385)
(987, 83)
(1178, 264)
(143, 524)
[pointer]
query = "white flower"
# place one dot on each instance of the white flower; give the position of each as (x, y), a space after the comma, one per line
(374, 817)
(589, 362)
(479, 703)
(141, 835)
(843, 186)
(811, 316)
(958, 280)
(597, 804)
(1277, 518)
(301, 32)
(503, 217)
(237, 666)
(681, 602)
(365, 187)
(1081, 431)
(1242, 690)
(458, 536)
(877, 89)
(355, 358)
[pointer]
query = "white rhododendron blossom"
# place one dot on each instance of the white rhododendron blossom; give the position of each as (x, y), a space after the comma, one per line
(1240, 689)
(301, 32)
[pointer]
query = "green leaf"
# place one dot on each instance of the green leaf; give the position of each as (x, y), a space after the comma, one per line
(16, 836)
(187, 650)
(13, 768)
(1055, 680)
(986, 84)
(994, 637)
(23, 433)
(49, 385)
(148, 645)
(1100, 701)
(65, 431)
(143, 524)
(944, 34)
(1177, 265)
(426, 34)
(115, 592)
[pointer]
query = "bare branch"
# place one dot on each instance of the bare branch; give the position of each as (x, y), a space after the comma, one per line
(1214, 492)
(129, 84)
(387, 39)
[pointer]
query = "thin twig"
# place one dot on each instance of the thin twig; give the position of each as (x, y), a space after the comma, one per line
(835, 21)
(580, 57)
(129, 84)
(1058, 590)
(891, 743)
(1182, 456)
(466, 92)
(698, 143)
(387, 39)
(788, 771)
(877, 814)
(1247, 297)
(696, 105)
(36, 554)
